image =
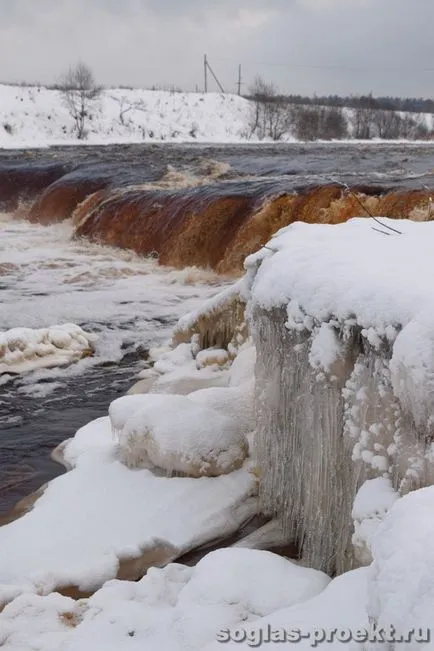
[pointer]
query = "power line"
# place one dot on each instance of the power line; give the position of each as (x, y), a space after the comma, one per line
(306, 66)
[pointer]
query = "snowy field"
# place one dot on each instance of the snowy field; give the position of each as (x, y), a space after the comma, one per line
(32, 116)
(37, 117)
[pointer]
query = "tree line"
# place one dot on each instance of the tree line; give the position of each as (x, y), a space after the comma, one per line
(274, 116)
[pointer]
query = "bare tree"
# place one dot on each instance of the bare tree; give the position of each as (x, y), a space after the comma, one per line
(270, 114)
(79, 90)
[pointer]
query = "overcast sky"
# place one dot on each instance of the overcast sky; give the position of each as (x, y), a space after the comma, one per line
(303, 46)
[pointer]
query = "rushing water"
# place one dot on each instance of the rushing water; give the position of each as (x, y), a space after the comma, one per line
(47, 278)
(130, 302)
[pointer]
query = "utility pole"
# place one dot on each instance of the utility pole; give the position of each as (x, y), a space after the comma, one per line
(205, 73)
(239, 80)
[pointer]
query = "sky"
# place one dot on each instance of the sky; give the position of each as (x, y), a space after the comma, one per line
(303, 46)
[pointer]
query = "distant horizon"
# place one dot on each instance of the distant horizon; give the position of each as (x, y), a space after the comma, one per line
(174, 88)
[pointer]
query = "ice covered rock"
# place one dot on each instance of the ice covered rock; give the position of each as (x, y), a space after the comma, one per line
(179, 435)
(25, 349)
(212, 357)
(344, 374)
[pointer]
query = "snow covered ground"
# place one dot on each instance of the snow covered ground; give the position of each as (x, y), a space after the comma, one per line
(135, 515)
(37, 117)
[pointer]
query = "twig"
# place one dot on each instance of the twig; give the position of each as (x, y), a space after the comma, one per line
(353, 194)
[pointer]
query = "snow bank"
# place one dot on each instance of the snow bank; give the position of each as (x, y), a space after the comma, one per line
(25, 349)
(37, 117)
(101, 520)
(335, 611)
(174, 608)
(401, 587)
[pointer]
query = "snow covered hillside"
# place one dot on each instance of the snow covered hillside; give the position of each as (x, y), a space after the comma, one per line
(36, 116)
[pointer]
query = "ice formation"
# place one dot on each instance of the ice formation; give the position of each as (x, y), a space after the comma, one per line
(25, 349)
(344, 373)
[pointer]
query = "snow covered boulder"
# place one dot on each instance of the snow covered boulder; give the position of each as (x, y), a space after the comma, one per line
(177, 435)
(257, 582)
(25, 349)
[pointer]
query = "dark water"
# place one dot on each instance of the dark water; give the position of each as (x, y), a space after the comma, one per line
(33, 425)
(403, 165)
(25, 448)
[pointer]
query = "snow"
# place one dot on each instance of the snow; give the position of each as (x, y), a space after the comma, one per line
(237, 403)
(325, 348)
(114, 513)
(321, 274)
(341, 606)
(212, 357)
(37, 117)
(243, 366)
(176, 608)
(177, 434)
(26, 349)
(401, 587)
(323, 270)
(200, 433)
(259, 582)
(373, 501)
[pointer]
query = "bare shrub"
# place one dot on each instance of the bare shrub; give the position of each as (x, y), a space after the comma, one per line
(319, 122)
(79, 90)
